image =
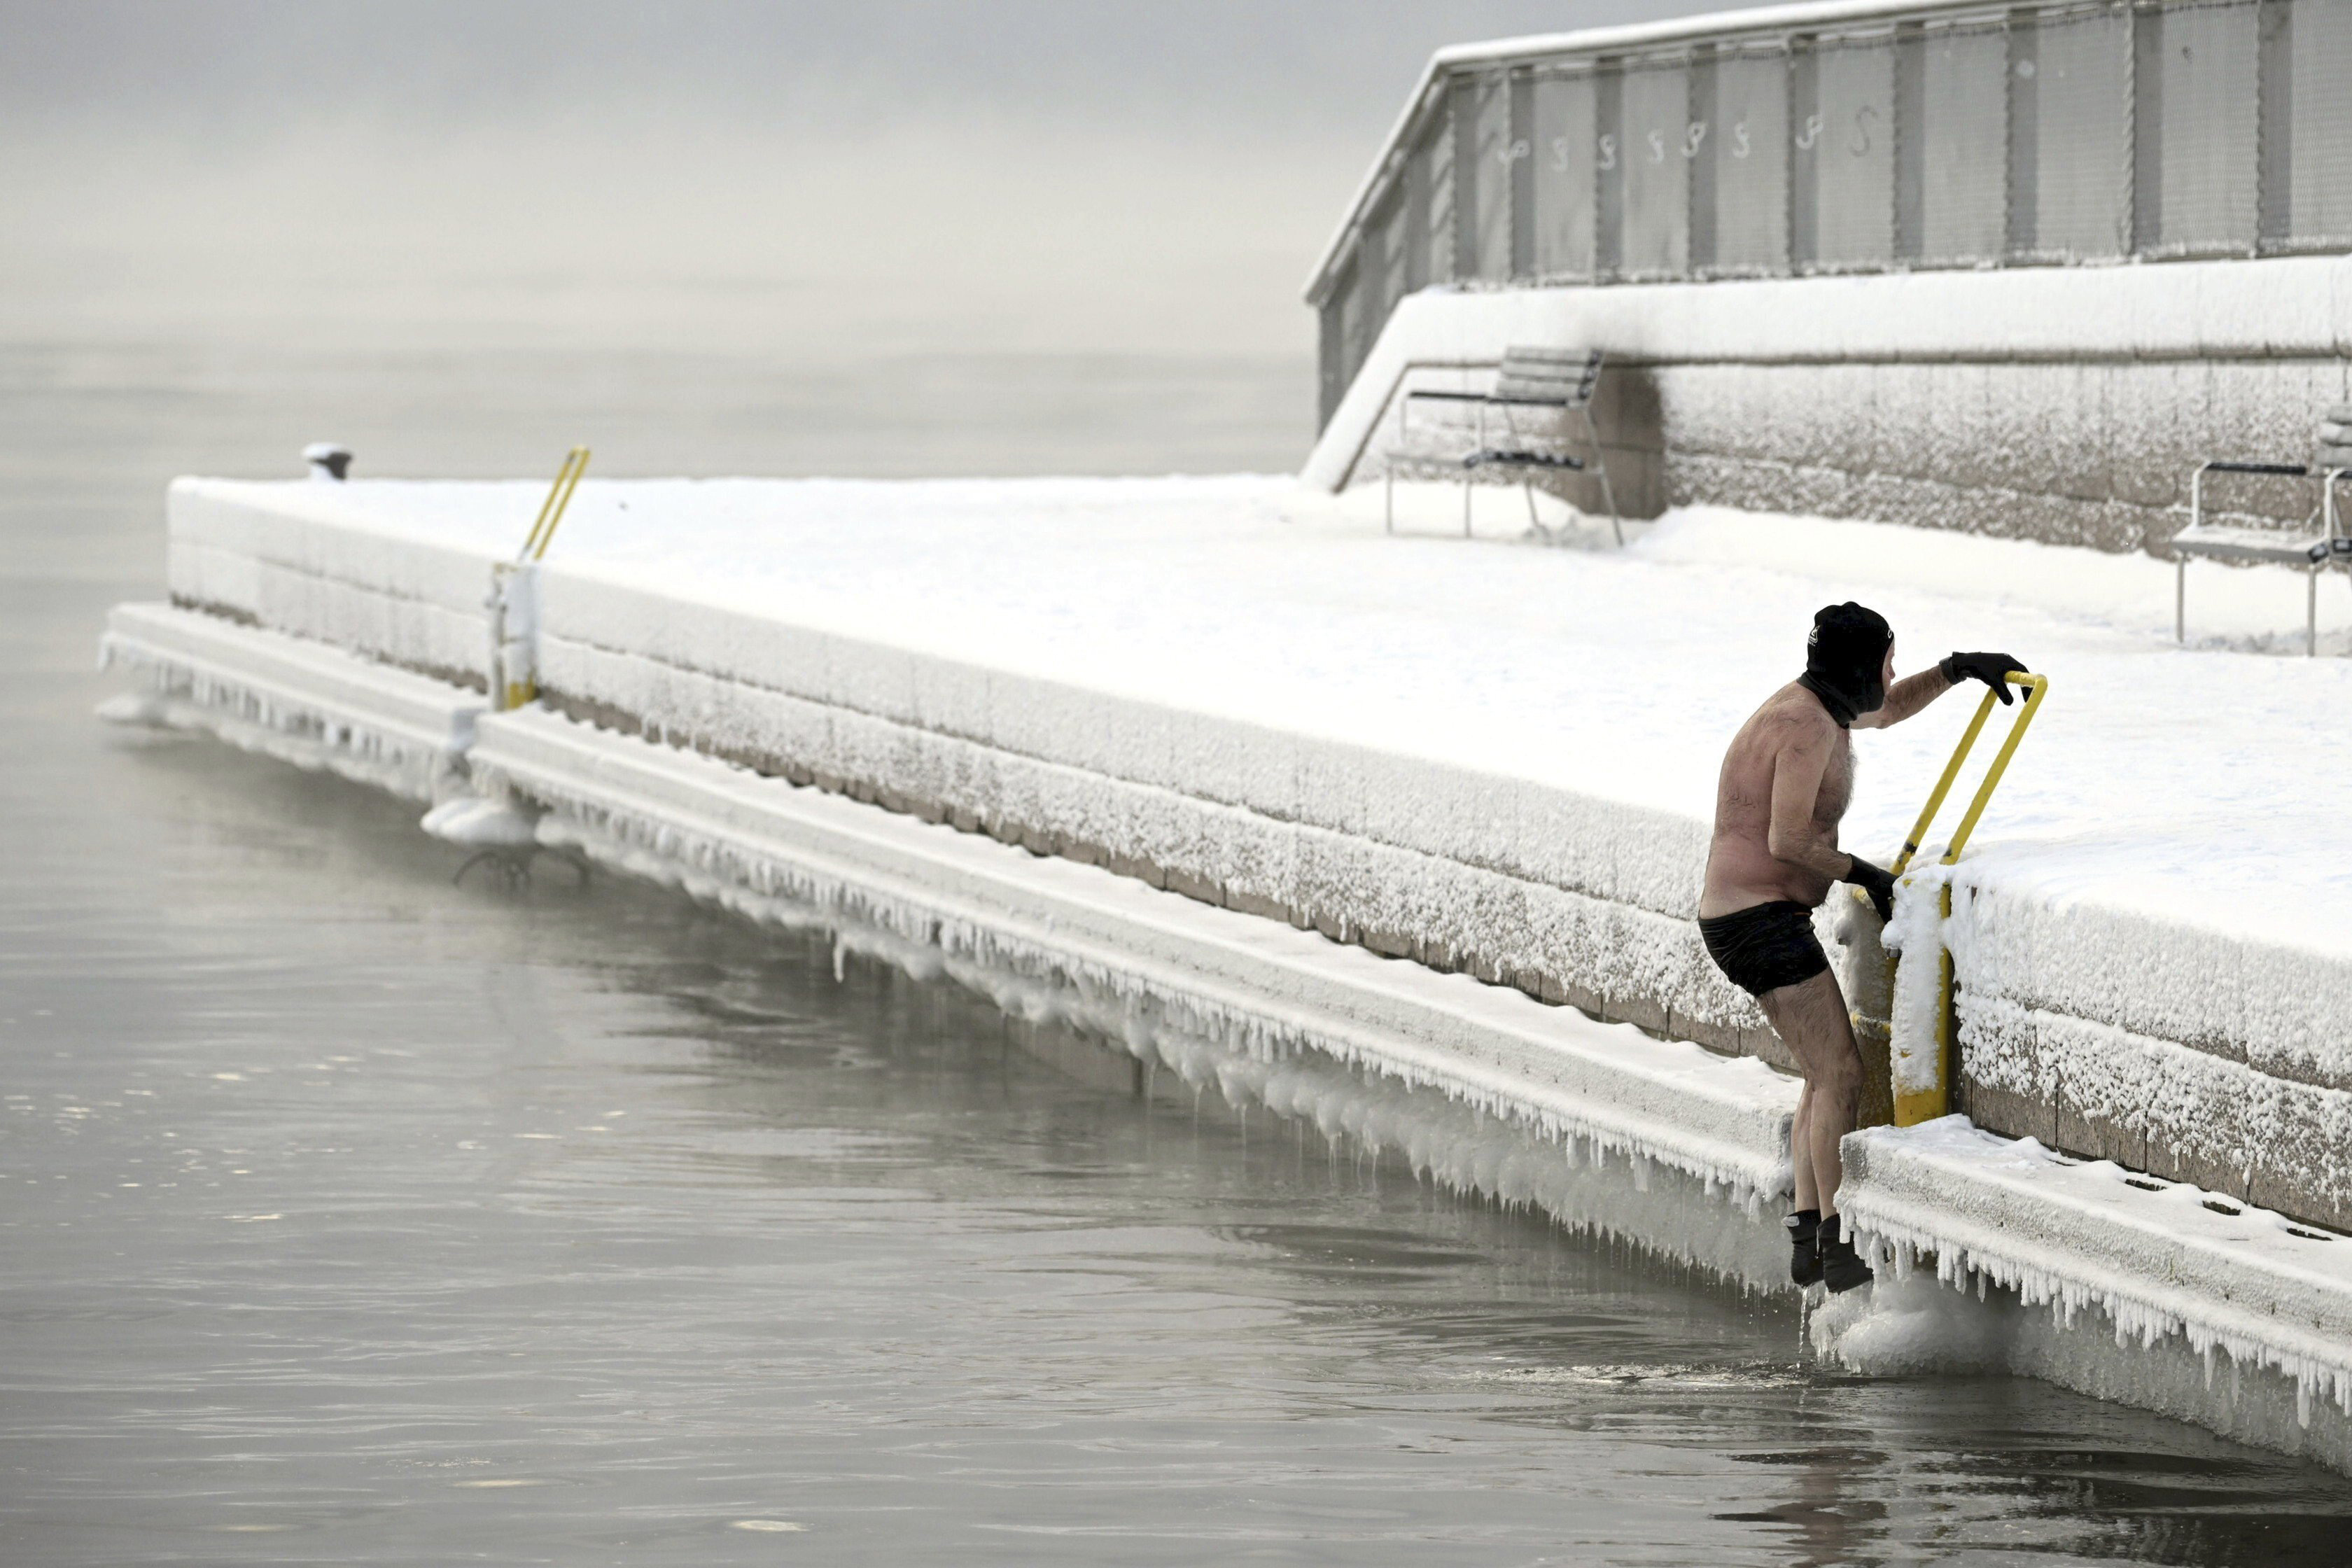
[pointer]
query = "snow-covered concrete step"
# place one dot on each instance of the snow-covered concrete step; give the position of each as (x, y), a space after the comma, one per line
(1721, 1119)
(2159, 1258)
(291, 697)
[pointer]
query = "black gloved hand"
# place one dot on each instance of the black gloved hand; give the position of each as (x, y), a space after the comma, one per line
(1878, 883)
(1993, 668)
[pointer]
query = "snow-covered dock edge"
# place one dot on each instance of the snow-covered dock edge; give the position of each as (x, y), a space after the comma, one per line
(2142, 1282)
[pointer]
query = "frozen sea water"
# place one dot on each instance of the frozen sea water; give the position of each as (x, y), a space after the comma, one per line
(353, 1215)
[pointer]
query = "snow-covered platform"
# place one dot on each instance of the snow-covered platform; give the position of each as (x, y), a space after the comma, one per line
(1494, 758)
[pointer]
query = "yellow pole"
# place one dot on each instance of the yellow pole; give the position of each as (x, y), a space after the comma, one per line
(551, 510)
(511, 694)
(1943, 785)
(1926, 1104)
(2036, 685)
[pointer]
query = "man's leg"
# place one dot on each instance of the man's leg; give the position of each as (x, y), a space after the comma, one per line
(1801, 1152)
(1812, 1020)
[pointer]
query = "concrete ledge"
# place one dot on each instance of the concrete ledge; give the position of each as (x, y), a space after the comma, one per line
(414, 726)
(2158, 1258)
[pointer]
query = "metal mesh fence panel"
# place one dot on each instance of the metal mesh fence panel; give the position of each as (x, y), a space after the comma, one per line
(1959, 145)
(2318, 123)
(1565, 184)
(1332, 371)
(1353, 313)
(1654, 129)
(2082, 107)
(1482, 177)
(2205, 104)
(1853, 154)
(1436, 175)
(1749, 144)
(1393, 228)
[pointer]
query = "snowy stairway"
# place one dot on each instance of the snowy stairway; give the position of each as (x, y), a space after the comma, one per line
(2159, 1257)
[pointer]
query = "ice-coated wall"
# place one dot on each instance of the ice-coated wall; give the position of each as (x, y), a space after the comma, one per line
(289, 557)
(1569, 898)
(2215, 1055)
(2066, 404)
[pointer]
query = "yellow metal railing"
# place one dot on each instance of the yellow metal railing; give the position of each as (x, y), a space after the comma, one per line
(551, 510)
(514, 677)
(1916, 1105)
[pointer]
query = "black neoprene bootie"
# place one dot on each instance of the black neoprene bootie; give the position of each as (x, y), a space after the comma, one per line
(1804, 1252)
(1842, 1267)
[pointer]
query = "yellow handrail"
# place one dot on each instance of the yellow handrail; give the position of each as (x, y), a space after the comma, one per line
(551, 510)
(2035, 684)
(1915, 1106)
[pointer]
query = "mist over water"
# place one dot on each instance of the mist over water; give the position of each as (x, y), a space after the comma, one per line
(354, 1216)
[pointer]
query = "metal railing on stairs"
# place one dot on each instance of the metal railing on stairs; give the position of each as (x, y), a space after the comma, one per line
(1851, 136)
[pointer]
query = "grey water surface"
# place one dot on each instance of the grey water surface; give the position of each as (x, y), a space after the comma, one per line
(353, 1217)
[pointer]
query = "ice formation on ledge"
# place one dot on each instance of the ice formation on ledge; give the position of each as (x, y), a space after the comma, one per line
(1589, 1181)
(1915, 936)
(481, 822)
(2157, 1262)
(1122, 998)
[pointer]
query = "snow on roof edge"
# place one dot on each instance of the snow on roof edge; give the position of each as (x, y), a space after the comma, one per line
(1623, 36)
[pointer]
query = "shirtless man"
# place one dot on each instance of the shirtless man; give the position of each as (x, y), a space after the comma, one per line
(1785, 786)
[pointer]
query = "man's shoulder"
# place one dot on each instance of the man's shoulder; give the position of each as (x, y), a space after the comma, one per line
(1796, 717)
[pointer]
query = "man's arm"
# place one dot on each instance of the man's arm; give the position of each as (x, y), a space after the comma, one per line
(1793, 834)
(1913, 692)
(1905, 698)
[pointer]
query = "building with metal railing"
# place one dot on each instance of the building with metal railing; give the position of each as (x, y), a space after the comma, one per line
(1812, 193)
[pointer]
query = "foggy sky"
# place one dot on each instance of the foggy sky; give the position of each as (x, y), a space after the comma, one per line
(885, 176)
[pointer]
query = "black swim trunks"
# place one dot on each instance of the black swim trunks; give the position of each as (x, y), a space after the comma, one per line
(1765, 946)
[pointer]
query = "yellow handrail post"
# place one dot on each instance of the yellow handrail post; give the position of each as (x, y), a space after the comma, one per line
(551, 510)
(514, 594)
(2034, 685)
(1926, 1103)
(1943, 785)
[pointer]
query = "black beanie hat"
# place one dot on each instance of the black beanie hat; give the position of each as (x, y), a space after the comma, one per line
(1844, 660)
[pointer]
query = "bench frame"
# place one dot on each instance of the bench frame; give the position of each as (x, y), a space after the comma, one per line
(1577, 405)
(2312, 554)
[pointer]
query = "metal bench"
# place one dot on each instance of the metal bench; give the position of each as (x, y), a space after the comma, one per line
(2224, 541)
(1561, 380)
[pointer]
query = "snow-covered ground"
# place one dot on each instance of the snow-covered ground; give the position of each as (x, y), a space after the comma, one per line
(2195, 786)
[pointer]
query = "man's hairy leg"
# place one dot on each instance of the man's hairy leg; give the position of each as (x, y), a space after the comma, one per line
(1801, 1152)
(1812, 1020)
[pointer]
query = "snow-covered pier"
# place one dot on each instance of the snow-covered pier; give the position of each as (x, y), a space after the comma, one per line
(1220, 772)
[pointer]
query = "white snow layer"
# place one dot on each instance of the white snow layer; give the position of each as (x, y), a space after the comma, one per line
(2236, 308)
(1550, 719)
(1506, 754)
(1915, 936)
